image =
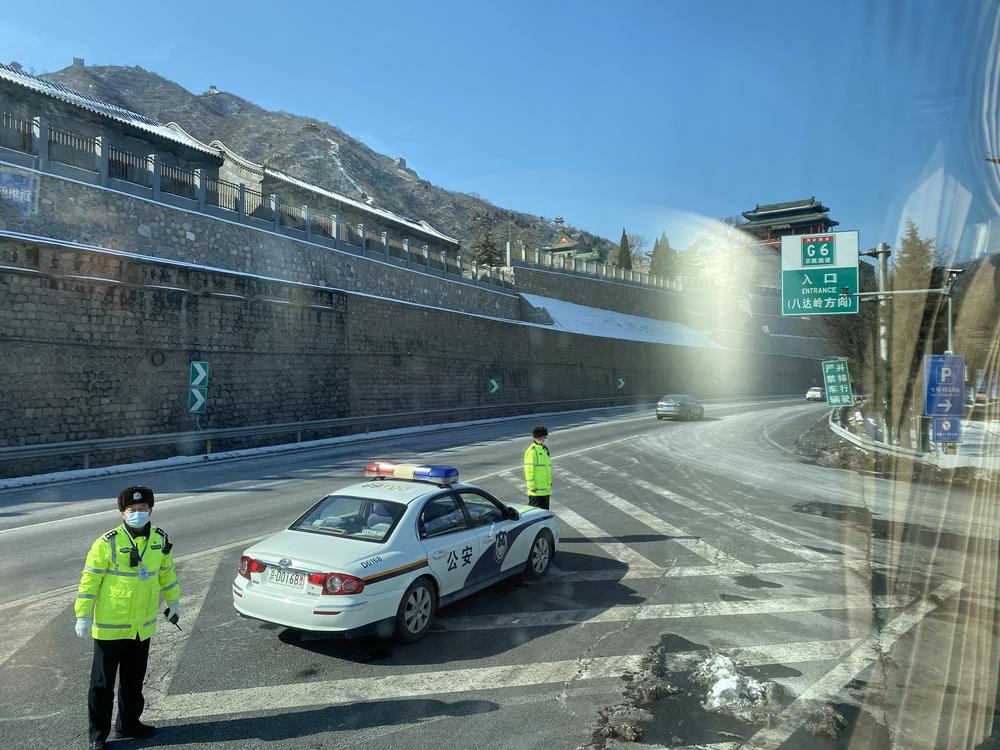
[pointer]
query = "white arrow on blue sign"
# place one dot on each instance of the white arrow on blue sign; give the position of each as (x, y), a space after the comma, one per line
(944, 385)
(620, 383)
(493, 386)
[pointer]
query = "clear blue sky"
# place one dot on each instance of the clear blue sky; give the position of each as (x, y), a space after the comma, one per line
(608, 113)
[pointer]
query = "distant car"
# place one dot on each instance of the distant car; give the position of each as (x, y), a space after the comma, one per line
(815, 394)
(381, 556)
(679, 406)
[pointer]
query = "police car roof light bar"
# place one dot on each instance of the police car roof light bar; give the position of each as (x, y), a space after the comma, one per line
(422, 472)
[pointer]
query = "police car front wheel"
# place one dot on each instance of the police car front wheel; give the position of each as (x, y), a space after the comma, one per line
(416, 610)
(540, 556)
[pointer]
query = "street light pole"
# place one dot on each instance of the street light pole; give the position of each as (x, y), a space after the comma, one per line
(883, 368)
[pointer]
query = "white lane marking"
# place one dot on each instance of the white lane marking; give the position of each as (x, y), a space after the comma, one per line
(620, 613)
(726, 519)
(691, 571)
(828, 687)
(20, 627)
(694, 571)
(165, 654)
(364, 690)
(637, 563)
(64, 591)
(105, 512)
(701, 548)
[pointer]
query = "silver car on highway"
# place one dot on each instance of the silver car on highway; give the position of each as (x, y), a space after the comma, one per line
(679, 406)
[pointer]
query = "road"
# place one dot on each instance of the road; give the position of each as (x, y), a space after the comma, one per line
(873, 596)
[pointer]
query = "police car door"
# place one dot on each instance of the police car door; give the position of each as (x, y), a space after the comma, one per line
(498, 536)
(451, 546)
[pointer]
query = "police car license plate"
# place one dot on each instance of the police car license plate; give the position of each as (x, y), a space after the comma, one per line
(288, 578)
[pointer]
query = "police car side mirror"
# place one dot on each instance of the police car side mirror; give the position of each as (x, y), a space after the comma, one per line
(511, 514)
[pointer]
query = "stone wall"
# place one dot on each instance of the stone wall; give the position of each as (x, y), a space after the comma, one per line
(98, 345)
(77, 212)
(607, 295)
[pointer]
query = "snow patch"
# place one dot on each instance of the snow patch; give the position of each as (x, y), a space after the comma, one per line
(732, 693)
(593, 321)
(335, 155)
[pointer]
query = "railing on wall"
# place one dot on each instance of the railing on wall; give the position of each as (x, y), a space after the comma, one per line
(124, 165)
(222, 194)
(15, 133)
(96, 154)
(178, 181)
(70, 148)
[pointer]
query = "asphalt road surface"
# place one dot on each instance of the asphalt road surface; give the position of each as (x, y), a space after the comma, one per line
(873, 597)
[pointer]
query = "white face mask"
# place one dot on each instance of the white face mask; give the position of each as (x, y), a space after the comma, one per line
(137, 519)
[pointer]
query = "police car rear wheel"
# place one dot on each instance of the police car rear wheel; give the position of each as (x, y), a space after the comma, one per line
(540, 556)
(416, 610)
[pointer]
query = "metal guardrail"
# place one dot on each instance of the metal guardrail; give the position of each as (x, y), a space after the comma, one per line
(885, 450)
(95, 445)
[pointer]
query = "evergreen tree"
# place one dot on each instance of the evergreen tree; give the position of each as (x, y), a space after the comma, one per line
(664, 260)
(484, 248)
(624, 257)
(911, 268)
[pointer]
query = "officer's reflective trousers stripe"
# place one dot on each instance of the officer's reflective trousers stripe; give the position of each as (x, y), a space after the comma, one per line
(167, 588)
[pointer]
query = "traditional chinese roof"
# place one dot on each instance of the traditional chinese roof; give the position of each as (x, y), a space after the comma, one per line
(776, 221)
(100, 107)
(564, 244)
(768, 210)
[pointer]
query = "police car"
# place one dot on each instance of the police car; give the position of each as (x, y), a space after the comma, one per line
(383, 555)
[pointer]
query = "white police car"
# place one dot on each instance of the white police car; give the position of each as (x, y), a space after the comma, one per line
(383, 555)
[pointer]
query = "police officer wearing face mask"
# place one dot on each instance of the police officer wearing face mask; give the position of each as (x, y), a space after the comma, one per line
(128, 569)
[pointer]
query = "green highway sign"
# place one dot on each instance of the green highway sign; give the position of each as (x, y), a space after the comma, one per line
(198, 387)
(619, 383)
(819, 274)
(493, 386)
(837, 383)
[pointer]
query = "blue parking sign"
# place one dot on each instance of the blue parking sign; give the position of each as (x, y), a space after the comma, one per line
(944, 385)
(947, 430)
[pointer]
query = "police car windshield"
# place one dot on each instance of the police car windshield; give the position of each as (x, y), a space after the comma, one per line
(351, 517)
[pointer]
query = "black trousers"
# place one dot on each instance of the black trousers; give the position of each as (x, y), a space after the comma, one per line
(127, 659)
(539, 501)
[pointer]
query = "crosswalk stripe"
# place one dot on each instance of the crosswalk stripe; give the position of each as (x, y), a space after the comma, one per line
(725, 519)
(168, 647)
(637, 563)
(439, 682)
(620, 613)
(35, 613)
(867, 653)
(701, 548)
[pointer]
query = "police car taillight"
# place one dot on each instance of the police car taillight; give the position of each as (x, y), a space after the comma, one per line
(392, 470)
(248, 565)
(337, 583)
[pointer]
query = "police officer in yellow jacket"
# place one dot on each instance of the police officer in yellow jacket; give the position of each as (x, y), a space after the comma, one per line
(538, 469)
(128, 569)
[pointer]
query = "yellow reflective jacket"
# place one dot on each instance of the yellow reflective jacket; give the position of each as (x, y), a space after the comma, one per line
(124, 600)
(538, 470)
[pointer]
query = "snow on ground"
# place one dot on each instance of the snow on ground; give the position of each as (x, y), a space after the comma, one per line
(732, 693)
(593, 321)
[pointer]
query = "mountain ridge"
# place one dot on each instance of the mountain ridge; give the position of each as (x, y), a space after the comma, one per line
(315, 151)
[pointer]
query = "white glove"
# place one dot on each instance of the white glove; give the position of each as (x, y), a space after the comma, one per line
(173, 610)
(82, 626)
